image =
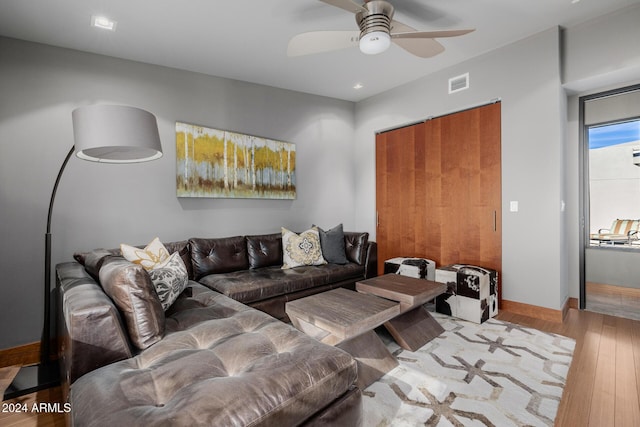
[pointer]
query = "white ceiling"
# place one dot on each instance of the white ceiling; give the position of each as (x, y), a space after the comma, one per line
(247, 39)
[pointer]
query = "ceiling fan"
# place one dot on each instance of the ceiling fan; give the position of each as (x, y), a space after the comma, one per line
(377, 30)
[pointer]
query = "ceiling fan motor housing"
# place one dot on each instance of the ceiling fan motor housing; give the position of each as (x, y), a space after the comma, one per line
(377, 17)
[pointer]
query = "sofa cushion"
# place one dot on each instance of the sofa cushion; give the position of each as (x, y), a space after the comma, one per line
(356, 246)
(301, 249)
(85, 310)
(263, 283)
(131, 289)
(264, 250)
(340, 272)
(242, 368)
(210, 256)
(332, 243)
(199, 304)
(92, 260)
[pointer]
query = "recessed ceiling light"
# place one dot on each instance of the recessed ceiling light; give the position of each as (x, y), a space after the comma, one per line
(358, 86)
(575, 1)
(103, 22)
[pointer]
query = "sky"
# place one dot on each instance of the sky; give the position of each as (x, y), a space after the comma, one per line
(613, 134)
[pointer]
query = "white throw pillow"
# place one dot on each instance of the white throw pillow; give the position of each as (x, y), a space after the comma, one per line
(301, 249)
(170, 278)
(155, 253)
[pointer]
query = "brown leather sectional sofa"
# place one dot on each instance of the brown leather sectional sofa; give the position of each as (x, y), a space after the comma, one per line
(215, 357)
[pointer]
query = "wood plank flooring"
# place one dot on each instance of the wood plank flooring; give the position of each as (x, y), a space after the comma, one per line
(603, 385)
(614, 300)
(6, 377)
(10, 417)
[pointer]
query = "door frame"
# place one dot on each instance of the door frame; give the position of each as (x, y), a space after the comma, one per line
(583, 191)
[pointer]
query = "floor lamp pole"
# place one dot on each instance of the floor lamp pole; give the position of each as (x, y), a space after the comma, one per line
(45, 374)
(45, 346)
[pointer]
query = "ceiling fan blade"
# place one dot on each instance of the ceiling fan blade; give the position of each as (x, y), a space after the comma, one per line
(348, 5)
(321, 41)
(399, 27)
(423, 48)
(430, 34)
(414, 41)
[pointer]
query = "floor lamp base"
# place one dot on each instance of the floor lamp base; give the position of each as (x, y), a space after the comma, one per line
(34, 378)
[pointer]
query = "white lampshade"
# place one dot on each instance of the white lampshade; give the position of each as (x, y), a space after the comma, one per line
(375, 42)
(115, 134)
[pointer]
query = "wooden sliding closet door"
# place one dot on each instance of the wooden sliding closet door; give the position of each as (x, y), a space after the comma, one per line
(400, 199)
(438, 190)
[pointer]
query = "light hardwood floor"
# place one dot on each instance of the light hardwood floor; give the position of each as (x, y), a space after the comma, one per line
(614, 300)
(603, 385)
(23, 416)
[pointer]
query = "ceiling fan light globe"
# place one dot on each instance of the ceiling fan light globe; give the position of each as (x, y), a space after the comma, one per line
(375, 42)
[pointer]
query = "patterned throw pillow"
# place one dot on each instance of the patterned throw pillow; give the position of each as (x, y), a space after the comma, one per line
(301, 249)
(170, 278)
(149, 257)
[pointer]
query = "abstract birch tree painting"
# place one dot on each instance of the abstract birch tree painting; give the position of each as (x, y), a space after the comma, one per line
(218, 163)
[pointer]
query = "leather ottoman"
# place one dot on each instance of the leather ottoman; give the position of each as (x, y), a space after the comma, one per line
(472, 292)
(420, 268)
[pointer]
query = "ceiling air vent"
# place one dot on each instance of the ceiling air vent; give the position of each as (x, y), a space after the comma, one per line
(458, 83)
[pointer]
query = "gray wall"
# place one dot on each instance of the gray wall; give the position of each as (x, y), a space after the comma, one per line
(102, 205)
(539, 140)
(526, 76)
(602, 52)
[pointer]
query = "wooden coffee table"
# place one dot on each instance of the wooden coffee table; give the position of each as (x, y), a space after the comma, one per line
(415, 326)
(346, 319)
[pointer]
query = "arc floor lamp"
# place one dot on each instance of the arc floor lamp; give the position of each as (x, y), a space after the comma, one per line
(106, 134)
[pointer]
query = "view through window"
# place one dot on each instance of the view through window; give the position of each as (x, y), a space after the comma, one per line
(614, 184)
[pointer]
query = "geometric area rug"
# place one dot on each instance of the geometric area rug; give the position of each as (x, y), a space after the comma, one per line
(493, 374)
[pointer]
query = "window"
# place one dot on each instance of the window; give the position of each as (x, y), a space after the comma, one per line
(614, 183)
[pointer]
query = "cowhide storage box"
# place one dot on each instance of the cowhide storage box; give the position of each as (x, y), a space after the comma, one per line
(419, 268)
(472, 292)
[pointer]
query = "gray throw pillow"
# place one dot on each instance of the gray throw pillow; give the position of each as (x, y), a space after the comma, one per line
(332, 244)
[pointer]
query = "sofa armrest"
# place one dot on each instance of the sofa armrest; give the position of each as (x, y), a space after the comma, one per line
(371, 260)
(90, 330)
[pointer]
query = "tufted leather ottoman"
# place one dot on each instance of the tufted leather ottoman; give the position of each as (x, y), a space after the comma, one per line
(220, 363)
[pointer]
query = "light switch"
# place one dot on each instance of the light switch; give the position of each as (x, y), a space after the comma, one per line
(513, 206)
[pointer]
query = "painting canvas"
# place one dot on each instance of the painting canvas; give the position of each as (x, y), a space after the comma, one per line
(219, 163)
